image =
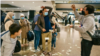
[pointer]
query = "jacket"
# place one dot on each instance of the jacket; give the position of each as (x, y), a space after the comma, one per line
(8, 45)
(25, 27)
(54, 20)
(88, 22)
(41, 22)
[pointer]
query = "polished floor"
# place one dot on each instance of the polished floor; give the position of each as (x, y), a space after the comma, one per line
(68, 44)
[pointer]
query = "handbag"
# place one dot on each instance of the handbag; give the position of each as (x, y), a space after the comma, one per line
(95, 37)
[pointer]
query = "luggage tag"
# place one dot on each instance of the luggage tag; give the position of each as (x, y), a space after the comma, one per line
(46, 38)
(51, 30)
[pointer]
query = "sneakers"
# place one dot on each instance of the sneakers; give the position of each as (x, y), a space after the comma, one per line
(53, 47)
(36, 50)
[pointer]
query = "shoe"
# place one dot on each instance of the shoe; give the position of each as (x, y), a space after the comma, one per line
(44, 53)
(38, 49)
(49, 54)
(35, 51)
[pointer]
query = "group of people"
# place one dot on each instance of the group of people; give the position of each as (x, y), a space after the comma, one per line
(43, 26)
(13, 30)
(70, 20)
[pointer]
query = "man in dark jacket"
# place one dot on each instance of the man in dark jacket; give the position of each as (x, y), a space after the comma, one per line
(44, 23)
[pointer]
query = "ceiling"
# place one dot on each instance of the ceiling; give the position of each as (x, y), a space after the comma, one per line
(66, 4)
(77, 1)
(25, 5)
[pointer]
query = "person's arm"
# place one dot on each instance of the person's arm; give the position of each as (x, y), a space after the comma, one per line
(86, 26)
(35, 20)
(50, 10)
(38, 23)
(77, 15)
(28, 24)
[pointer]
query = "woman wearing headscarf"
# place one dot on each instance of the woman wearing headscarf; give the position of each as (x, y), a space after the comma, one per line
(25, 28)
(10, 17)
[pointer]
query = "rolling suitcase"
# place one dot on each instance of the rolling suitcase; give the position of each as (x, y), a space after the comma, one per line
(58, 29)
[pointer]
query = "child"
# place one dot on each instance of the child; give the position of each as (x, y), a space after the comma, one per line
(9, 40)
(54, 34)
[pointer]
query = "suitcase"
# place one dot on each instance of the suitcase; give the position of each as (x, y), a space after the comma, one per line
(58, 29)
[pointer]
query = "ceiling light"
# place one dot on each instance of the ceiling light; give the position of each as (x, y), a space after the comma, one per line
(12, 2)
(33, 2)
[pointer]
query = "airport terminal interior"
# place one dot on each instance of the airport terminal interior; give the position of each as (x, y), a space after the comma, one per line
(68, 40)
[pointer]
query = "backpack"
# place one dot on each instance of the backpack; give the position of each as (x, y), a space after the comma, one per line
(30, 36)
(17, 46)
(3, 25)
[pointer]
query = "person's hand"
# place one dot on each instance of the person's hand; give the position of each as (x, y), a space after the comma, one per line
(53, 26)
(36, 23)
(73, 7)
(71, 26)
(54, 35)
(43, 30)
(42, 7)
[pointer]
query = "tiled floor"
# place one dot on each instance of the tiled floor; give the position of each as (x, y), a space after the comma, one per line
(68, 44)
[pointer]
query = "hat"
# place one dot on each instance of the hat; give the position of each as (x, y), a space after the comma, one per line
(21, 14)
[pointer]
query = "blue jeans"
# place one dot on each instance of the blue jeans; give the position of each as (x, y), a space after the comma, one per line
(54, 41)
(37, 38)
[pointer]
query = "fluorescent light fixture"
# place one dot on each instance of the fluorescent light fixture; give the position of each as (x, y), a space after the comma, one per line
(12, 2)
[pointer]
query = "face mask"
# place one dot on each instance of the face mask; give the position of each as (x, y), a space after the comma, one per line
(13, 17)
(46, 13)
(22, 17)
(83, 13)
